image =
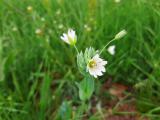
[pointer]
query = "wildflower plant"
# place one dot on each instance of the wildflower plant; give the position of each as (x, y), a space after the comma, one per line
(89, 63)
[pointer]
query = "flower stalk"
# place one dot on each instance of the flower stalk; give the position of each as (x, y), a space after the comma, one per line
(107, 45)
(76, 49)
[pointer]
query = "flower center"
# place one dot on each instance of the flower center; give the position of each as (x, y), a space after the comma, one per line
(92, 63)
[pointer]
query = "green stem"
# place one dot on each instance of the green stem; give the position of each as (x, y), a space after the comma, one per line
(120, 102)
(82, 108)
(125, 113)
(107, 45)
(76, 49)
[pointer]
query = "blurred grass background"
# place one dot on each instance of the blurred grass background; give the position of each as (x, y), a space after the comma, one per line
(38, 71)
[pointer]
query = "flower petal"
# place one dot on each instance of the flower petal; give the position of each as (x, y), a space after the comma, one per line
(111, 49)
(69, 37)
(99, 68)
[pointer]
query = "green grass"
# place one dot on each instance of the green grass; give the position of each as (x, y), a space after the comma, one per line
(38, 72)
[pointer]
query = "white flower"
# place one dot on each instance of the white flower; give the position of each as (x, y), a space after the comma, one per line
(117, 1)
(96, 65)
(38, 31)
(69, 37)
(29, 8)
(111, 49)
(120, 34)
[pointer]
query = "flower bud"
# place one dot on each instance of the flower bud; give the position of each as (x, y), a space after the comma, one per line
(120, 34)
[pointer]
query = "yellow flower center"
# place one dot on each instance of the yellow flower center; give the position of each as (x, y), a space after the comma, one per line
(92, 63)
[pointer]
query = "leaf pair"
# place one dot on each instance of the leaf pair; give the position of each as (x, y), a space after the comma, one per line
(86, 88)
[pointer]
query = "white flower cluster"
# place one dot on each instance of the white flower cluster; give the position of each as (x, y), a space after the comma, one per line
(90, 61)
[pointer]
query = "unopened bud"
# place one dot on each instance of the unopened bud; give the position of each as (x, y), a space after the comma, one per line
(120, 34)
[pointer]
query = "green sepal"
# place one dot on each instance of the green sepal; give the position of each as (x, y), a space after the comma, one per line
(81, 63)
(83, 59)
